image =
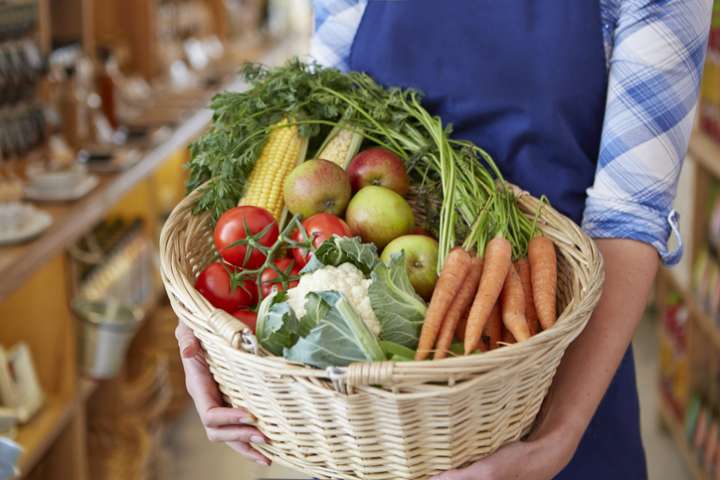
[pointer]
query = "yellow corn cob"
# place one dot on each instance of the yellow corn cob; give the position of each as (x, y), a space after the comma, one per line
(340, 146)
(283, 151)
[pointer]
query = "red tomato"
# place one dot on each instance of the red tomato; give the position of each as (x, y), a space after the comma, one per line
(232, 227)
(320, 227)
(248, 317)
(269, 276)
(215, 285)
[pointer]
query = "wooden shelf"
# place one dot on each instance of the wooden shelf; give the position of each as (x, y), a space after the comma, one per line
(37, 435)
(697, 313)
(72, 219)
(706, 151)
(678, 434)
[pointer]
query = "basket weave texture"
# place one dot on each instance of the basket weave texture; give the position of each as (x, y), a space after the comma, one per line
(382, 421)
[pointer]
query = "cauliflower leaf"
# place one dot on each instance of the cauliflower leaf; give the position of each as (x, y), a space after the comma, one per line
(398, 308)
(336, 335)
(277, 325)
(338, 250)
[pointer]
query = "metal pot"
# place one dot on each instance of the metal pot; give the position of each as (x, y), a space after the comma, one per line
(106, 330)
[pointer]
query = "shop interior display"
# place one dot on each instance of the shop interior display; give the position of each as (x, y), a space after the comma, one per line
(688, 302)
(98, 103)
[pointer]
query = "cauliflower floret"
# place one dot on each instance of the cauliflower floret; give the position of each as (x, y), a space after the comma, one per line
(346, 279)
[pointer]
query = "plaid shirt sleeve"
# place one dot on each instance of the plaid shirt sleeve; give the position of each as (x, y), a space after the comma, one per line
(655, 66)
(336, 22)
(656, 50)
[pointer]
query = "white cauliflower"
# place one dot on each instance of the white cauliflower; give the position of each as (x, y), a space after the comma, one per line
(346, 279)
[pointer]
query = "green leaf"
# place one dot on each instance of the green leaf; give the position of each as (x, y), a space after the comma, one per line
(315, 309)
(339, 337)
(398, 308)
(457, 348)
(338, 250)
(400, 358)
(393, 349)
(277, 326)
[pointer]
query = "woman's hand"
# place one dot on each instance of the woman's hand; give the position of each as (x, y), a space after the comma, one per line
(584, 374)
(538, 459)
(222, 424)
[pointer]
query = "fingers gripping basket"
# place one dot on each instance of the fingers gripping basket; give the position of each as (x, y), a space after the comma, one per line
(387, 420)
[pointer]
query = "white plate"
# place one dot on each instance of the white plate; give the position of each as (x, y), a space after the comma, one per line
(36, 222)
(52, 195)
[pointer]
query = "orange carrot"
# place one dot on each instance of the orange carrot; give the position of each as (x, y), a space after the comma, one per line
(523, 268)
(498, 253)
(459, 306)
(460, 329)
(493, 328)
(457, 266)
(460, 334)
(513, 306)
(507, 336)
(543, 273)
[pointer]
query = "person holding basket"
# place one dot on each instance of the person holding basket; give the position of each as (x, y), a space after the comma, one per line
(589, 103)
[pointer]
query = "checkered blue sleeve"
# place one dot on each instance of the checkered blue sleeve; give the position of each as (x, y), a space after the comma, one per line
(655, 68)
(336, 22)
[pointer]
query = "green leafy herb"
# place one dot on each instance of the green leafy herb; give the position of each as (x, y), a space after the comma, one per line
(397, 307)
(339, 337)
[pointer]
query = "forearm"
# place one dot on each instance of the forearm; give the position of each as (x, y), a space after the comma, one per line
(591, 361)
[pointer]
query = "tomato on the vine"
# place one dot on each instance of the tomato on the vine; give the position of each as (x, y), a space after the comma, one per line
(235, 226)
(248, 317)
(215, 284)
(269, 277)
(319, 227)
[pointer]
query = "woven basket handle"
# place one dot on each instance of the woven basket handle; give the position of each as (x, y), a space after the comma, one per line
(236, 333)
(362, 374)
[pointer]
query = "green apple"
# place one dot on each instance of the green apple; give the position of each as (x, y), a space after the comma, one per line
(317, 186)
(421, 255)
(379, 215)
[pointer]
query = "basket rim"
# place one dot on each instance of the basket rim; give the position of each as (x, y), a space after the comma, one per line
(200, 307)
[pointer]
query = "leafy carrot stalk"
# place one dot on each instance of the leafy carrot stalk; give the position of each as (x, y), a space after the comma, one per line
(543, 275)
(493, 328)
(457, 265)
(498, 258)
(523, 268)
(513, 306)
(459, 306)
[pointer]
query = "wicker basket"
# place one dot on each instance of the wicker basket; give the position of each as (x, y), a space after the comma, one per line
(382, 421)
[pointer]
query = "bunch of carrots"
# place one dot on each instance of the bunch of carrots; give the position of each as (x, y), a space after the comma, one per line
(484, 298)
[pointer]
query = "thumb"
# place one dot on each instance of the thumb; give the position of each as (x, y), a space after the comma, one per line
(477, 471)
(189, 345)
(451, 475)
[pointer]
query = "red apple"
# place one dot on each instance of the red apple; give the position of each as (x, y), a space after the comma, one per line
(421, 255)
(421, 231)
(317, 186)
(381, 167)
(379, 215)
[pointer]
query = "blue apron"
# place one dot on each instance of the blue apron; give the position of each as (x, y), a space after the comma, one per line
(527, 81)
